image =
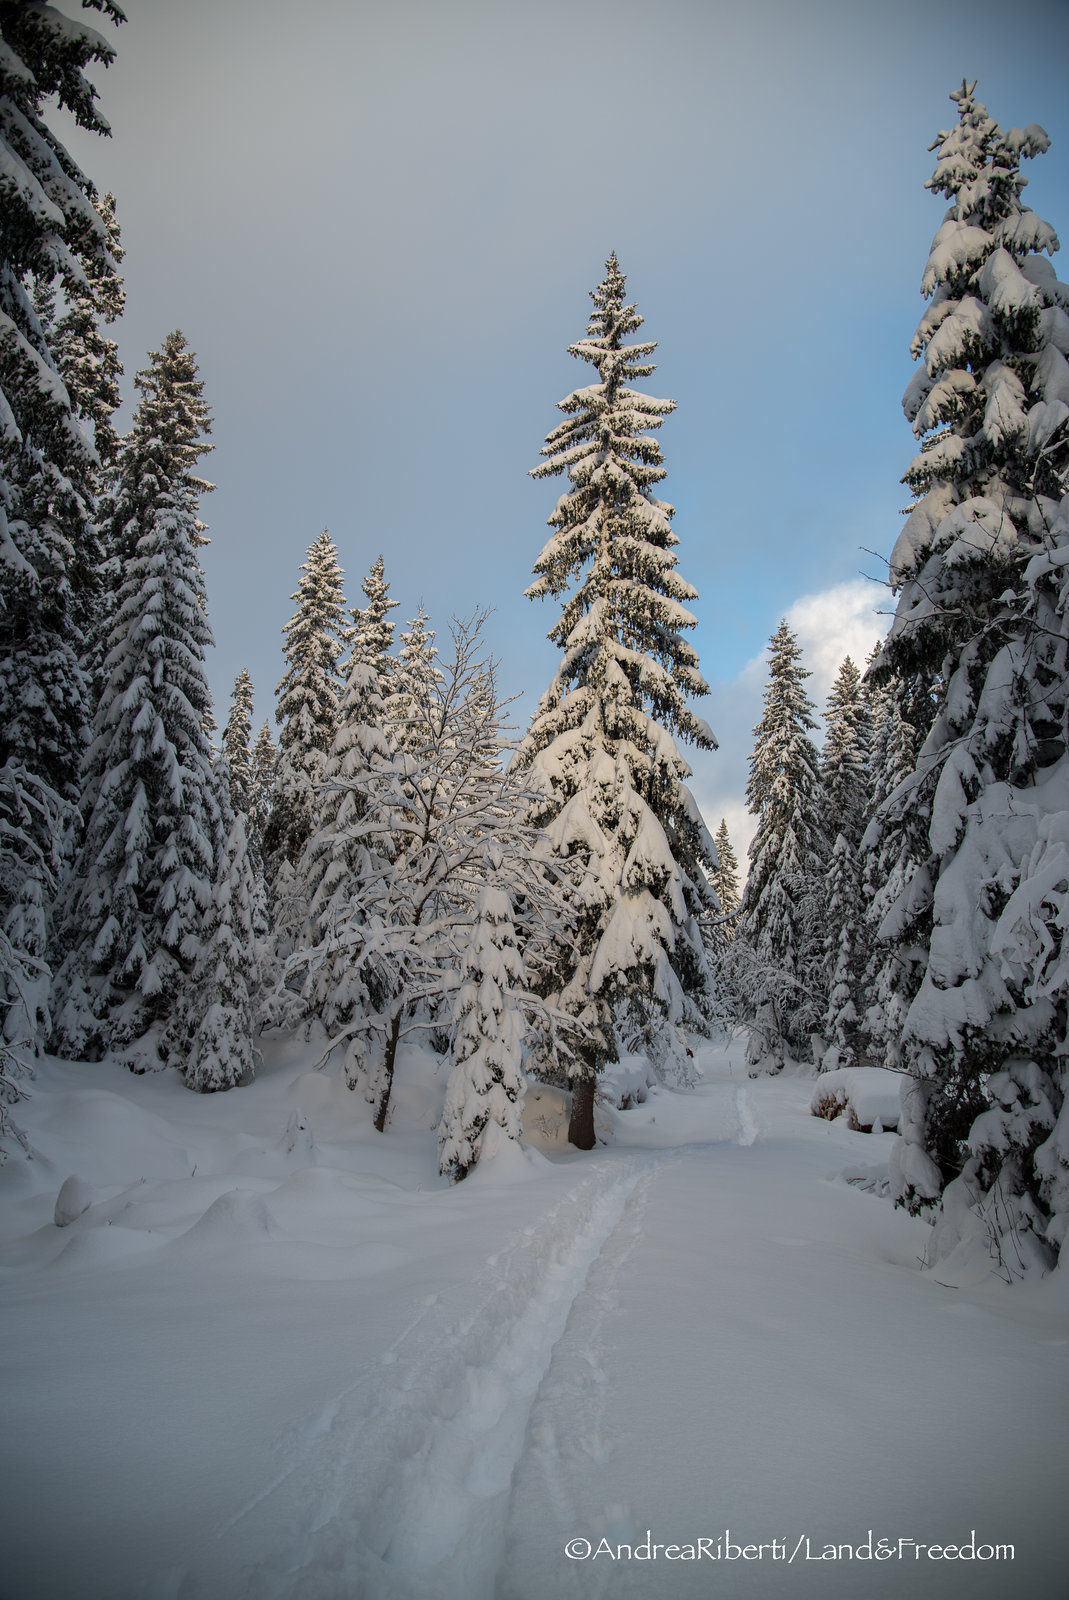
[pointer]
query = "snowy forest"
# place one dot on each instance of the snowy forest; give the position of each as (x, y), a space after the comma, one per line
(390, 870)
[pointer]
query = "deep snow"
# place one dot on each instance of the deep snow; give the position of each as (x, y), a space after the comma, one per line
(277, 1359)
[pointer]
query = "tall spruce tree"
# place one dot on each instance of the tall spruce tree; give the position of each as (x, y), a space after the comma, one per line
(414, 680)
(50, 233)
(980, 629)
(845, 777)
(894, 850)
(337, 853)
(261, 792)
(88, 359)
(307, 708)
(216, 1024)
(142, 875)
(614, 800)
(726, 877)
(237, 744)
(778, 943)
(486, 1084)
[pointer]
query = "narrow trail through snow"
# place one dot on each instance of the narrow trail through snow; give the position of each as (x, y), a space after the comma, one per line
(398, 1488)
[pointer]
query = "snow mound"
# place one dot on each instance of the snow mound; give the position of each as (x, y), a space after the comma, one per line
(112, 1140)
(504, 1161)
(74, 1198)
(238, 1217)
(869, 1096)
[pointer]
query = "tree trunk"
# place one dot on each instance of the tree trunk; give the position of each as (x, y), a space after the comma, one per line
(581, 1125)
(388, 1060)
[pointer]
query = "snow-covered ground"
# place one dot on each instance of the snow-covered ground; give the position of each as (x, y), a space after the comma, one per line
(277, 1359)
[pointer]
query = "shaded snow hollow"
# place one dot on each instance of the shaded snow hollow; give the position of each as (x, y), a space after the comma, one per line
(270, 1356)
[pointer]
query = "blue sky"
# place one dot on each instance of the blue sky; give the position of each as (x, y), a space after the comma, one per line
(377, 226)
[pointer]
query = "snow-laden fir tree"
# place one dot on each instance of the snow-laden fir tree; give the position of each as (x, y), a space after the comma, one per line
(894, 851)
(337, 852)
(979, 627)
(88, 359)
(601, 747)
(414, 679)
(29, 819)
(261, 792)
(486, 1084)
(142, 875)
(726, 877)
(845, 776)
(237, 744)
(50, 234)
(307, 715)
(250, 777)
(778, 946)
(220, 1052)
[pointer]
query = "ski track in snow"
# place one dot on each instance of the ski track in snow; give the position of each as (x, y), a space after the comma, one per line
(744, 1110)
(399, 1487)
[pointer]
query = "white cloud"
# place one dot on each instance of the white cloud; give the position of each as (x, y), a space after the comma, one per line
(835, 623)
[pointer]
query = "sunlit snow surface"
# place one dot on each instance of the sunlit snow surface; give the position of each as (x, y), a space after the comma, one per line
(277, 1359)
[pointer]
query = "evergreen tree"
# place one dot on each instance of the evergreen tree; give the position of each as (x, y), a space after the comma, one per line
(87, 359)
(486, 1084)
(726, 878)
(237, 745)
(220, 1053)
(894, 850)
(142, 876)
(979, 629)
(337, 852)
(261, 792)
(845, 773)
(29, 829)
(307, 709)
(49, 233)
(414, 680)
(600, 748)
(779, 952)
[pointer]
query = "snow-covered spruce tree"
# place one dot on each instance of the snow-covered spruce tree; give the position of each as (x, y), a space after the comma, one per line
(142, 875)
(600, 748)
(778, 950)
(87, 358)
(845, 776)
(237, 744)
(261, 792)
(486, 1084)
(433, 826)
(337, 852)
(49, 233)
(248, 797)
(894, 851)
(979, 628)
(220, 1052)
(414, 679)
(307, 715)
(726, 877)
(29, 820)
